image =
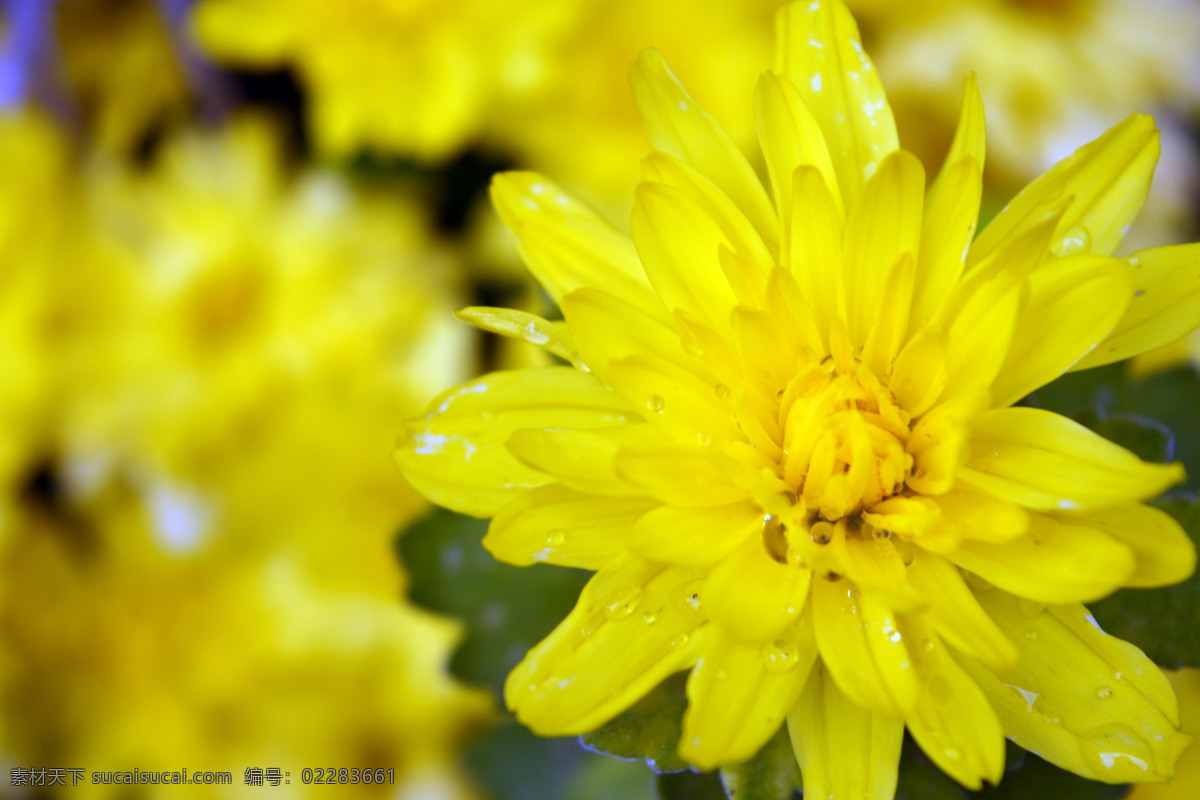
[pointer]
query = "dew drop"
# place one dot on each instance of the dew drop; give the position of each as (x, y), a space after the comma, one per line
(555, 539)
(780, 656)
(679, 640)
(821, 533)
(693, 602)
(952, 753)
(534, 336)
(1104, 692)
(927, 645)
(650, 618)
(722, 391)
(1076, 240)
(1031, 634)
(655, 403)
(704, 439)
(1029, 609)
(623, 603)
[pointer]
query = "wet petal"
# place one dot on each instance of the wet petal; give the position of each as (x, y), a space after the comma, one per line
(1106, 180)
(566, 245)
(813, 247)
(456, 454)
(843, 749)
(559, 525)
(625, 635)
(1044, 461)
(739, 693)
(955, 614)
(553, 336)
(678, 475)
(1165, 304)
(691, 536)
(1078, 698)
(818, 47)
(678, 126)
(675, 400)
(1163, 551)
(751, 596)
(1054, 562)
(953, 722)
(581, 459)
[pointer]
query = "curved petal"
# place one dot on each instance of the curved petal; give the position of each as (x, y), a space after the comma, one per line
(678, 126)
(843, 749)
(951, 212)
(581, 459)
(1044, 461)
(1165, 304)
(1073, 303)
(751, 596)
(625, 635)
(678, 475)
(952, 721)
(1106, 180)
(813, 247)
(690, 536)
(1079, 698)
(566, 245)
(1054, 562)
(456, 455)
(818, 47)
(553, 336)
(1163, 551)
(559, 525)
(739, 693)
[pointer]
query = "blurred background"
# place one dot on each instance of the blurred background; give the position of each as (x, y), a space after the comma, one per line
(232, 236)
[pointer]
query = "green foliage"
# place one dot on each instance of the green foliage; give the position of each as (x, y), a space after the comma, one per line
(771, 775)
(690, 785)
(648, 731)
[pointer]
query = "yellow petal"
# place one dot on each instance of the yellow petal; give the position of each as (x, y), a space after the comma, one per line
(1073, 303)
(1165, 304)
(767, 354)
(951, 212)
(844, 751)
(754, 261)
(1163, 551)
(673, 399)
(977, 337)
(558, 525)
(679, 244)
(456, 455)
(751, 596)
(790, 137)
(691, 536)
(566, 245)
(678, 126)
(969, 136)
(581, 459)
(624, 636)
(1044, 461)
(919, 373)
(862, 647)
(554, 336)
(955, 613)
(883, 225)
(953, 722)
(886, 333)
(1054, 562)
(679, 475)
(818, 47)
(1107, 181)
(1077, 697)
(607, 328)
(739, 693)
(813, 246)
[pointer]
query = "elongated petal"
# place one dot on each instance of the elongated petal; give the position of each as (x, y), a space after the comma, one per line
(456, 455)
(1079, 698)
(883, 225)
(1163, 551)
(862, 649)
(694, 536)
(581, 459)
(790, 137)
(1073, 303)
(951, 212)
(672, 398)
(814, 247)
(955, 614)
(977, 339)
(679, 245)
(953, 721)
(739, 693)
(1107, 181)
(678, 475)
(624, 636)
(969, 135)
(559, 525)
(818, 47)
(752, 597)
(678, 126)
(566, 245)
(1042, 460)
(554, 336)
(843, 749)
(1165, 304)
(1054, 562)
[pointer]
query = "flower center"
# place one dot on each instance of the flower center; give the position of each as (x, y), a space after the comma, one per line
(844, 439)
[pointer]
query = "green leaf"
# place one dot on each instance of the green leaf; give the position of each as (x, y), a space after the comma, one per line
(605, 778)
(1038, 778)
(514, 764)
(506, 609)
(1148, 439)
(1162, 622)
(920, 779)
(649, 730)
(773, 774)
(690, 785)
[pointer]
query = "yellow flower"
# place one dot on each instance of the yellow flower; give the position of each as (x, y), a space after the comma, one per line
(788, 449)
(1183, 785)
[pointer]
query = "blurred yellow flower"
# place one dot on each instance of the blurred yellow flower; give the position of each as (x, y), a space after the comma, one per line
(788, 448)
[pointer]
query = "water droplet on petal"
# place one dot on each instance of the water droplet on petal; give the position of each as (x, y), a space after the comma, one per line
(556, 539)
(722, 391)
(1104, 692)
(1031, 634)
(1076, 240)
(650, 618)
(780, 656)
(1029, 608)
(952, 753)
(534, 336)
(679, 640)
(623, 603)
(655, 403)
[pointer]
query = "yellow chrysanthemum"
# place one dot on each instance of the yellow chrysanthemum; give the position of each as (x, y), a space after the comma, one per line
(788, 449)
